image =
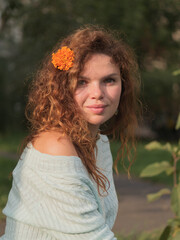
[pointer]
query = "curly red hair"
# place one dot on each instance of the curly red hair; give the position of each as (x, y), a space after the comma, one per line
(51, 103)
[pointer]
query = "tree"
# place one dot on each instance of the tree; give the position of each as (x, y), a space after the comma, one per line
(29, 29)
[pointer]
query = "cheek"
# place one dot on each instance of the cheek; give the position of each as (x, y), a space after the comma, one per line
(80, 96)
(115, 95)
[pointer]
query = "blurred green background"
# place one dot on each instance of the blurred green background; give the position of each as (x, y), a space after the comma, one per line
(30, 28)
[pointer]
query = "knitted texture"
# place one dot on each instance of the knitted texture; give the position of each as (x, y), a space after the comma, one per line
(54, 198)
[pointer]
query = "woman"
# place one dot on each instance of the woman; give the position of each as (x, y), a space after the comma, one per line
(63, 185)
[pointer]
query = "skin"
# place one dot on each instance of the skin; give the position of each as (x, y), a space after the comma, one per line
(97, 95)
(98, 90)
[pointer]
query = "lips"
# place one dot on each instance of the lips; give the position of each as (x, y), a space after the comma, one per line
(97, 108)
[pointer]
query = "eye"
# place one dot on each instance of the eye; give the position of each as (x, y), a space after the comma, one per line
(81, 83)
(109, 80)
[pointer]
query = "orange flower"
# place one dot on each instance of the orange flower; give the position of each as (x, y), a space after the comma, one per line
(63, 58)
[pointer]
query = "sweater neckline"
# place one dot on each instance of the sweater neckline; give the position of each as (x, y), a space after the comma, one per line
(40, 154)
(52, 163)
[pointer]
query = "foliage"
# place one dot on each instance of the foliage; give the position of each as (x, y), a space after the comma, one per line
(161, 93)
(29, 29)
(172, 231)
(177, 72)
(142, 160)
(12, 141)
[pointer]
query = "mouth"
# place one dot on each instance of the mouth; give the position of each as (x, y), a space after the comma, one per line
(97, 109)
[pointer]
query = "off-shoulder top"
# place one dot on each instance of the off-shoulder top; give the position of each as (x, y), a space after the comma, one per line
(55, 198)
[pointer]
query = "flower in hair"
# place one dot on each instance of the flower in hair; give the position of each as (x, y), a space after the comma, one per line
(63, 58)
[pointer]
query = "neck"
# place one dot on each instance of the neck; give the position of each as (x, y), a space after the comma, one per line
(94, 130)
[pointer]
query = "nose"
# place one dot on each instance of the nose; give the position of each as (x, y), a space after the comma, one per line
(96, 91)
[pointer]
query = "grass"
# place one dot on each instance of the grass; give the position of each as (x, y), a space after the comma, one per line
(6, 166)
(11, 142)
(8, 143)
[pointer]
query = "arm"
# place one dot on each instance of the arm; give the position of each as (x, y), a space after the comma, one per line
(60, 206)
(70, 207)
(56, 203)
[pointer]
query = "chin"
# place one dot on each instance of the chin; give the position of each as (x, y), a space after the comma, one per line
(97, 121)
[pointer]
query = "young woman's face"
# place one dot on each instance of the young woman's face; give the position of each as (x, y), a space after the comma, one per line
(98, 90)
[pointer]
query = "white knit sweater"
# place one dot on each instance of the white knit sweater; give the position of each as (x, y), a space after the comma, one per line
(54, 198)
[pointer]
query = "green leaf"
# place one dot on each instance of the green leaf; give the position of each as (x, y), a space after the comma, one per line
(176, 150)
(178, 153)
(176, 234)
(155, 169)
(169, 171)
(175, 200)
(175, 228)
(174, 222)
(175, 73)
(166, 233)
(178, 122)
(154, 196)
(168, 147)
(154, 145)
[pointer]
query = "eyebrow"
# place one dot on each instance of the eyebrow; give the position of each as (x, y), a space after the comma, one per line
(105, 77)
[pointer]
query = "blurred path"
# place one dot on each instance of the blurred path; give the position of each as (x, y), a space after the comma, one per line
(135, 213)
(9, 155)
(2, 226)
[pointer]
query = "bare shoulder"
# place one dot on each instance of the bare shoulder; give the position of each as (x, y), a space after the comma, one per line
(54, 143)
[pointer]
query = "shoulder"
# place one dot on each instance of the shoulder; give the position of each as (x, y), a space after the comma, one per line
(54, 143)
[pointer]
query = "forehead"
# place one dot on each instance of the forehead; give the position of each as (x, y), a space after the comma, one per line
(99, 64)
